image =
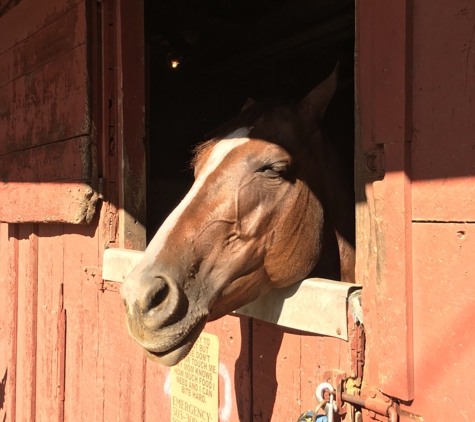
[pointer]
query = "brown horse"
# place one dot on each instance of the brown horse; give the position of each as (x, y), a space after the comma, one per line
(268, 205)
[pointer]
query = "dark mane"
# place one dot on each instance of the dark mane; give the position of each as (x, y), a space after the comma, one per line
(246, 118)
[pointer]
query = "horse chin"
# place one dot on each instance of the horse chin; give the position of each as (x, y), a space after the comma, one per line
(178, 352)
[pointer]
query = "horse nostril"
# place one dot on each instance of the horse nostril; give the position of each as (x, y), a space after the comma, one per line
(154, 298)
(158, 298)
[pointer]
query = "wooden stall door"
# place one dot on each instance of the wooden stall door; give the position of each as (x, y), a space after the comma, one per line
(65, 353)
(415, 175)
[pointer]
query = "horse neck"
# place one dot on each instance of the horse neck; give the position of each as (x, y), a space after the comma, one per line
(332, 187)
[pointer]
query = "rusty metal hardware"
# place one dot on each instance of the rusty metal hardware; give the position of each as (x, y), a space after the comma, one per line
(357, 341)
(374, 404)
(374, 163)
(94, 274)
(337, 379)
(325, 394)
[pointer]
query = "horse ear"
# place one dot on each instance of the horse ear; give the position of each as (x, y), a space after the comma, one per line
(249, 102)
(315, 103)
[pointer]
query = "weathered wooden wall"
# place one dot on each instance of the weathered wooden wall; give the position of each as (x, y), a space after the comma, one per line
(415, 86)
(65, 353)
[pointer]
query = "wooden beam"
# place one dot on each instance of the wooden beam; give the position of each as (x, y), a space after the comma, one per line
(73, 203)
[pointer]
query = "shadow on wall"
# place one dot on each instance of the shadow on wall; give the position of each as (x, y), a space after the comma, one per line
(3, 385)
(258, 361)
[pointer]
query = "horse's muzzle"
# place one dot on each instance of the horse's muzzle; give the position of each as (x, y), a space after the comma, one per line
(158, 316)
(152, 302)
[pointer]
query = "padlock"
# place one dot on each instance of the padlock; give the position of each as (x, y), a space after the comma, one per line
(309, 416)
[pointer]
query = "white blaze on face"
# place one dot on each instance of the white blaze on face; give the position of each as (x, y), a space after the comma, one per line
(220, 150)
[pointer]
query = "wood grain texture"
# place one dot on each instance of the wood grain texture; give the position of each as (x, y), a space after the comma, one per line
(47, 202)
(317, 355)
(157, 391)
(130, 128)
(443, 151)
(384, 97)
(235, 399)
(34, 15)
(8, 318)
(64, 161)
(50, 277)
(287, 367)
(47, 105)
(45, 45)
(121, 364)
(27, 322)
(80, 245)
(444, 291)
(44, 112)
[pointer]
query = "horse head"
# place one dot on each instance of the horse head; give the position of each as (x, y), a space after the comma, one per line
(255, 218)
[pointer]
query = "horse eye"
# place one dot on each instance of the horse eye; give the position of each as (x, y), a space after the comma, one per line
(273, 170)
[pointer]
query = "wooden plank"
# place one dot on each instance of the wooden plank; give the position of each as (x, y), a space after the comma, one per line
(157, 392)
(47, 44)
(50, 277)
(34, 15)
(444, 345)
(27, 322)
(393, 304)
(121, 363)
(64, 161)
(8, 318)
(443, 152)
(47, 202)
(384, 118)
(276, 372)
(48, 105)
(130, 128)
(317, 355)
(287, 367)
(235, 397)
(444, 199)
(81, 303)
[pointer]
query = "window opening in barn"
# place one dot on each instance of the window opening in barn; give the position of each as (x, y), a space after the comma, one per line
(206, 58)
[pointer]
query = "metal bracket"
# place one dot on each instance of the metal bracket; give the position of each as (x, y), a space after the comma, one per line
(373, 403)
(337, 379)
(314, 305)
(378, 406)
(374, 163)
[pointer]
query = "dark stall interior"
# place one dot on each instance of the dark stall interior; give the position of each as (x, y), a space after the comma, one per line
(206, 57)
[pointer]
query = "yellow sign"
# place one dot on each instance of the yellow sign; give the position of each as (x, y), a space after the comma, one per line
(194, 383)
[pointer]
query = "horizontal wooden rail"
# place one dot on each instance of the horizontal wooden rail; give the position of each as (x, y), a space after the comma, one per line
(314, 305)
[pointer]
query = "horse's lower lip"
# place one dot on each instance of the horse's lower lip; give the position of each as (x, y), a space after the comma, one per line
(176, 353)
